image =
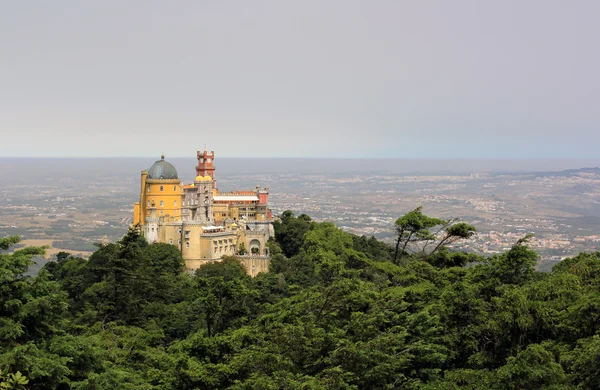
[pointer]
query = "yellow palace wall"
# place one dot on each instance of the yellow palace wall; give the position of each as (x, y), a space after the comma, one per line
(170, 196)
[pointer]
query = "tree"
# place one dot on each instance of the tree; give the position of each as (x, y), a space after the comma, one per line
(222, 293)
(290, 232)
(415, 227)
(452, 232)
(412, 227)
(7, 242)
(584, 363)
(14, 381)
(532, 368)
(32, 310)
(123, 277)
(164, 258)
(516, 266)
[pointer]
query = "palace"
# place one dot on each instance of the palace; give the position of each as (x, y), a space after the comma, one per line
(202, 222)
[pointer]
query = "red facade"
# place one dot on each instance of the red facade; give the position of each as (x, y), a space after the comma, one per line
(205, 165)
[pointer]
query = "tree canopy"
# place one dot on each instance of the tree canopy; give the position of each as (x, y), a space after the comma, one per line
(336, 311)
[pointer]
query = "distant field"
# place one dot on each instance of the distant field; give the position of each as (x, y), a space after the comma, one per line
(53, 251)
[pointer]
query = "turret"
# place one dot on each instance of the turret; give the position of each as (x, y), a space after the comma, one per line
(262, 195)
(205, 165)
(151, 227)
(200, 199)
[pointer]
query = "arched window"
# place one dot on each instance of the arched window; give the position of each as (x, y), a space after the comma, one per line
(170, 241)
(162, 188)
(175, 203)
(149, 188)
(162, 203)
(148, 203)
(174, 188)
(187, 244)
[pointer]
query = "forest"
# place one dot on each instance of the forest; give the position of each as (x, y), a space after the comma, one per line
(336, 311)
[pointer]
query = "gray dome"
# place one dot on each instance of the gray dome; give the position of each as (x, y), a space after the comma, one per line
(162, 170)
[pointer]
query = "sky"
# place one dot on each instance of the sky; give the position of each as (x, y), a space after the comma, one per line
(310, 78)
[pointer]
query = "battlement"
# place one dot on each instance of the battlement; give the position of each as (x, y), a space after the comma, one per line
(233, 193)
(205, 154)
(216, 234)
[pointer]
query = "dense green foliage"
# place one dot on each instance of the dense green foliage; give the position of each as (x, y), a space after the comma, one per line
(336, 311)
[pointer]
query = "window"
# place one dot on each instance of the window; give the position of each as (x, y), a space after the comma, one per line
(179, 241)
(170, 241)
(179, 230)
(161, 211)
(174, 188)
(187, 244)
(149, 188)
(162, 188)
(148, 203)
(175, 203)
(162, 203)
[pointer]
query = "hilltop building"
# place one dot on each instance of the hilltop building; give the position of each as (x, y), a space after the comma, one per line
(204, 223)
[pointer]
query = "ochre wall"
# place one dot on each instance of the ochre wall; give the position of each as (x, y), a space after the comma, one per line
(193, 265)
(171, 193)
(255, 265)
(195, 248)
(170, 235)
(141, 214)
(136, 213)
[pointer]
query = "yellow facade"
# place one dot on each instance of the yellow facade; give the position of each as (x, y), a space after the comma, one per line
(164, 195)
(139, 212)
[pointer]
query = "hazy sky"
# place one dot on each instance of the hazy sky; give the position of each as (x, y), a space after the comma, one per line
(498, 79)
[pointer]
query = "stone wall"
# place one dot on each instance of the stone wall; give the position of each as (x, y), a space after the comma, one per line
(254, 264)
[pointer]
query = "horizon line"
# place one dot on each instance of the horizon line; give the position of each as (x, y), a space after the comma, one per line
(314, 158)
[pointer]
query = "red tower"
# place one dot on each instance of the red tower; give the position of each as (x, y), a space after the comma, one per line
(205, 165)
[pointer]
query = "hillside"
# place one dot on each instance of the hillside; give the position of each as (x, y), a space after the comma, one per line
(336, 311)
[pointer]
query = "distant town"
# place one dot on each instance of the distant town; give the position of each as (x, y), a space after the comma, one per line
(73, 211)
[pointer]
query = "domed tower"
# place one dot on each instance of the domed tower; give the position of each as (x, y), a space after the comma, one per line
(160, 191)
